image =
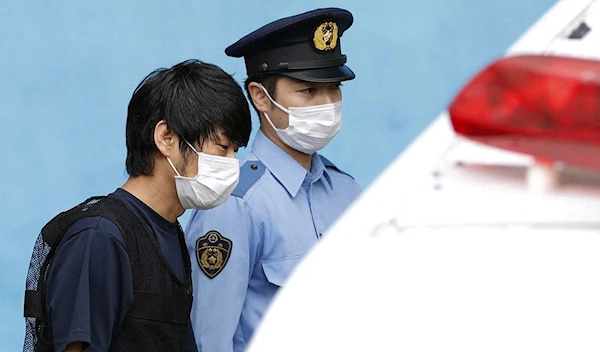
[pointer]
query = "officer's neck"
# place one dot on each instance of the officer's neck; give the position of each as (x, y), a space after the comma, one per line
(305, 160)
(158, 193)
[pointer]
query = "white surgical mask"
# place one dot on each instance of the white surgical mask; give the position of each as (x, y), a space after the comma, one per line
(310, 128)
(217, 177)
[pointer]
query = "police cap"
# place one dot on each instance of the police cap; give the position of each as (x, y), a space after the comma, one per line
(305, 46)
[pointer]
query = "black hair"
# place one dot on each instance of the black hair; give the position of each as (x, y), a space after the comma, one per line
(195, 99)
(268, 81)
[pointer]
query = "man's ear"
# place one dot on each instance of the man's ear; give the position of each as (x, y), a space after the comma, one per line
(259, 98)
(164, 139)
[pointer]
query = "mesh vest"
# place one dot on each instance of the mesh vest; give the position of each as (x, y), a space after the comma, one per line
(159, 316)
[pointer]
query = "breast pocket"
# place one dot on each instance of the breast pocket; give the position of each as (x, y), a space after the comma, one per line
(277, 271)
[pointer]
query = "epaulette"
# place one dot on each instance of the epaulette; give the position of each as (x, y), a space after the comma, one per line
(331, 165)
(250, 172)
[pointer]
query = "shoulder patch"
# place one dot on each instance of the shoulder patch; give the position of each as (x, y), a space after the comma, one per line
(212, 253)
(331, 165)
(250, 172)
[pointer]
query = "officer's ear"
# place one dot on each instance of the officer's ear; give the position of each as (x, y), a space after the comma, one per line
(164, 139)
(259, 98)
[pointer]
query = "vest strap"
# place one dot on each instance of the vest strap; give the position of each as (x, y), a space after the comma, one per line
(32, 305)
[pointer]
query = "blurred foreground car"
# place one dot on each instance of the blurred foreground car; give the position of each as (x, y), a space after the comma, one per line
(491, 240)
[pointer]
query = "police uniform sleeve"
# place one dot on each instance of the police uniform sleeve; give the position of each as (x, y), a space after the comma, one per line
(222, 243)
(89, 286)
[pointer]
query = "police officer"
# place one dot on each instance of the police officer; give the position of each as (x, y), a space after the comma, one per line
(244, 250)
(113, 274)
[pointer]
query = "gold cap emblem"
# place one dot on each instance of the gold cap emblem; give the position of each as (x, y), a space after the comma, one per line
(326, 36)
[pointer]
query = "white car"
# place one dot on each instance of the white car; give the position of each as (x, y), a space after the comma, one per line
(484, 235)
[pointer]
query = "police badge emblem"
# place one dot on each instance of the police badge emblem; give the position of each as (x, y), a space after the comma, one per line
(325, 36)
(212, 253)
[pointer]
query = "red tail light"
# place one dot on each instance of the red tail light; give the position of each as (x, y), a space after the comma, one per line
(545, 106)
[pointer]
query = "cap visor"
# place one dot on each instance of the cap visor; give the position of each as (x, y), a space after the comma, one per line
(322, 75)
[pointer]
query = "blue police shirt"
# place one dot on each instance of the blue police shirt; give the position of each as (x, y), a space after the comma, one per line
(89, 284)
(245, 249)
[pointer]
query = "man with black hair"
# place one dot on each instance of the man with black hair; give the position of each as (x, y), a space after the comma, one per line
(113, 274)
(243, 251)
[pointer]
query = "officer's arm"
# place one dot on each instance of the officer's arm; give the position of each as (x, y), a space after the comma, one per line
(89, 290)
(222, 244)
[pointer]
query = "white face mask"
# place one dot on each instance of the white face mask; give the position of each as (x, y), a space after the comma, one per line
(310, 128)
(217, 177)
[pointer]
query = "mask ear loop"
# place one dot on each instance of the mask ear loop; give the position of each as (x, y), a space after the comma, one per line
(270, 122)
(194, 149)
(173, 166)
(273, 101)
(277, 105)
(171, 163)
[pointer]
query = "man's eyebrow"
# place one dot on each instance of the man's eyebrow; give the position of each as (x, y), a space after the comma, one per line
(303, 84)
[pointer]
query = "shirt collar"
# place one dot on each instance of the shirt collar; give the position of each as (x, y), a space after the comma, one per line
(283, 167)
(319, 170)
